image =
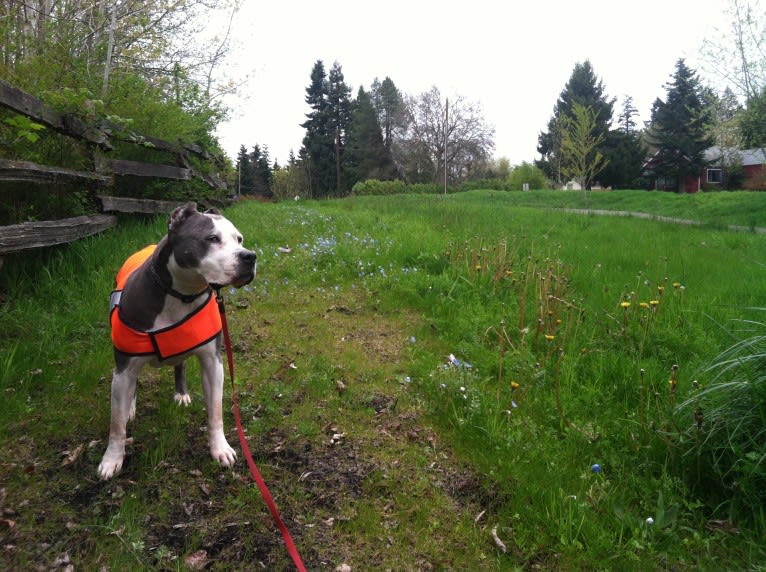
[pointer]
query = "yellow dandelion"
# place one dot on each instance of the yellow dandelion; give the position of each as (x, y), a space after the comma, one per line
(509, 272)
(654, 302)
(477, 267)
(625, 305)
(549, 337)
(660, 289)
(676, 284)
(514, 385)
(644, 304)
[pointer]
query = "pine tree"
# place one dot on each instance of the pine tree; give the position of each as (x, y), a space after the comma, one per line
(245, 171)
(366, 156)
(390, 108)
(585, 89)
(626, 122)
(339, 108)
(318, 152)
(680, 128)
(625, 150)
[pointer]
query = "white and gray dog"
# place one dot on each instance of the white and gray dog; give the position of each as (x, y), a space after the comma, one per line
(164, 311)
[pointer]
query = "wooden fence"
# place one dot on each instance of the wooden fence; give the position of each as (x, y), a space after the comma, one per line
(99, 140)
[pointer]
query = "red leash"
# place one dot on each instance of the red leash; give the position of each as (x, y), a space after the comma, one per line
(254, 472)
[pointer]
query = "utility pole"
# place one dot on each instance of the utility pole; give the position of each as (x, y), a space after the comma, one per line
(446, 123)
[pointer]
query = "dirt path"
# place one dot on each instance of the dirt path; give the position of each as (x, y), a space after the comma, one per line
(660, 218)
(336, 429)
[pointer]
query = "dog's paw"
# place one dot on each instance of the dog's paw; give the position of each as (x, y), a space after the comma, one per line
(109, 467)
(182, 399)
(223, 453)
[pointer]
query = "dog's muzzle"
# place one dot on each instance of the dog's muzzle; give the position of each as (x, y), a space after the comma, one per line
(246, 272)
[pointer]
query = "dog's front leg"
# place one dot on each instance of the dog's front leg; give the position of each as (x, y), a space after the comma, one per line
(212, 385)
(123, 409)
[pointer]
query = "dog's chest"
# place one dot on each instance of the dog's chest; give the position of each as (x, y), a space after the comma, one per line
(173, 311)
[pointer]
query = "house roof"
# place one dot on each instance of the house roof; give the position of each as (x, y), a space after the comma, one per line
(745, 156)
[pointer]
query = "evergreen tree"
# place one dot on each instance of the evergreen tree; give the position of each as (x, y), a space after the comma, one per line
(245, 171)
(680, 128)
(585, 89)
(390, 108)
(366, 156)
(261, 169)
(626, 151)
(626, 122)
(318, 149)
(339, 108)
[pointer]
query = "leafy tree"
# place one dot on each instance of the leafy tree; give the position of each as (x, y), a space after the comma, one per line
(529, 174)
(470, 139)
(752, 122)
(585, 89)
(680, 128)
(736, 53)
(366, 156)
(581, 157)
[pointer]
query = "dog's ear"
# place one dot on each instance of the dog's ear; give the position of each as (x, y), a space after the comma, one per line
(180, 214)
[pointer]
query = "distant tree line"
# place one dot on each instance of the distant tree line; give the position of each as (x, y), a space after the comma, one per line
(379, 134)
(587, 140)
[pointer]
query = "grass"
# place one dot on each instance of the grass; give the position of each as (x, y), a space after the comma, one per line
(416, 373)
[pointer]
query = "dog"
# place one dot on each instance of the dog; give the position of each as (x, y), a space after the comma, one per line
(164, 311)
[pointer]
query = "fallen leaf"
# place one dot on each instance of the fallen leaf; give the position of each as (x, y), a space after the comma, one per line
(71, 456)
(499, 543)
(196, 560)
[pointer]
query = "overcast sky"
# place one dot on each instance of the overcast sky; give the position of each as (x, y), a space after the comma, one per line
(512, 57)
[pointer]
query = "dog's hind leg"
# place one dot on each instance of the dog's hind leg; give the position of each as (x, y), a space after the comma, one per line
(123, 406)
(181, 396)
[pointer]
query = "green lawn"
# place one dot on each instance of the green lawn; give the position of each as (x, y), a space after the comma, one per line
(477, 381)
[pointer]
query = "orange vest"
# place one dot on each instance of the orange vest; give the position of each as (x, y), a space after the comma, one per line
(194, 330)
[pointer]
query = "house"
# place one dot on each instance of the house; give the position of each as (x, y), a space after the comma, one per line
(725, 168)
(572, 186)
(747, 165)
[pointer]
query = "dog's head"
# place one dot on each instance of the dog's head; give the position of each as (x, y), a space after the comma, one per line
(211, 245)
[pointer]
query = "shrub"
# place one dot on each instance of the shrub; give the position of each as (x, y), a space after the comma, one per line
(526, 173)
(376, 187)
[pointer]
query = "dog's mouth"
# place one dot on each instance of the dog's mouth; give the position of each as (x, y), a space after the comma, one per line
(244, 280)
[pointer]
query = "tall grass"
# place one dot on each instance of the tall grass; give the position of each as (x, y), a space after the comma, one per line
(54, 313)
(726, 446)
(583, 334)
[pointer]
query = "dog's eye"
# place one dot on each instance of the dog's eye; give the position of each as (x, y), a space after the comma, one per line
(214, 238)
(239, 239)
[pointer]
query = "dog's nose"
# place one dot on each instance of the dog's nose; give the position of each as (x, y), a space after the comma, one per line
(247, 256)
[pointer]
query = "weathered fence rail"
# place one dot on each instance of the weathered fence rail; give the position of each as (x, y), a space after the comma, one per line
(29, 235)
(97, 137)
